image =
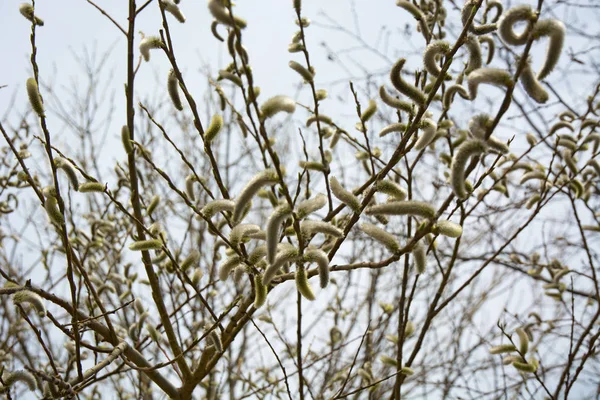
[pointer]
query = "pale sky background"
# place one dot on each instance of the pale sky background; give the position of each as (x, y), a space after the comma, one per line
(74, 25)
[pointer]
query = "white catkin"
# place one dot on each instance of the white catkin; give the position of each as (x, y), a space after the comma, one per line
(395, 127)
(241, 232)
(492, 76)
(31, 298)
(476, 29)
(475, 56)
(266, 177)
(69, 170)
(148, 43)
(418, 253)
(450, 92)
(276, 105)
(273, 227)
(531, 84)
(26, 10)
(394, 102)
(227, 266)
(514, 15)
(404, 87)
(417, 14)
(20, 376)
(322, 260)
(448, 228)
(429, 128)
(287, 254)
(222, 14)
(216, 206)
(391, 189)
(344, 195)
(555, 30)
(459, 162)
(411, 207)
(173, 9)
(434, 50)
(309, 206)
(173, 89)
(383, 237)
(309, 228)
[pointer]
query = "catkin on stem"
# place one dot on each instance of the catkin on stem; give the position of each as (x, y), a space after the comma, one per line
(34, 97)
(459, 162)
(266, 177)
(404, 87)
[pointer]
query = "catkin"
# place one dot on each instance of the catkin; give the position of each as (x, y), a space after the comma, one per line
(410, 207)
(417, 14)
(469, 7)
(309, 206)
(34, 97)
(434, 50)
(222, 14)
(302, 71)
(173, 89)
(260, 292)
(419, 253)
(520, 13)
(396, 127)
(142, 245)
(216, 206)
(448, 228)
(173, 9)
(383, 237)
(531, 85)
(19, 376)
(503, 348)
(266, 177)
(392, 189)
(31, 298)
(394, 102)
(69, 170)
(344, 195)
(227, 266)
(88, 187)
(53, 211)
(492, 76)
(459, 163)
(404, 87)
(273, 227)
(475, 56)
(429, 128)
(276, 105)
(369, 111)
(148, 43)
(241, 232)
(26, 10)
(302, 284)
(555, 30)
(216, 123)
(450, 92)
(320, 257)
(287, 254)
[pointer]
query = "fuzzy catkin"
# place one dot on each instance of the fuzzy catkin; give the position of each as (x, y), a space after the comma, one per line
(273, 227)
(148, 43)
(392, 189)
(266, 177)
(34, 97)
(394, 102)
(302, 71)
(520, 13)
(448, 228)
(216, 123)
(276, 105)
(459, 163)
(260, 292)
(222, 14)
(383, 237)
(89, 187)
(142, 245)
(419, 253)
(531, 84)
(31, 298)
(429, 128)
(410, 207)
(434, 50)
(26, 10)
(302, 284)
(492, 76)
(475, 56)
(69, 170)
(555, 30)
(173, 89)
(450, 92)
(404, 87)
(322, 260)
(344, 195)
(309, 206)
